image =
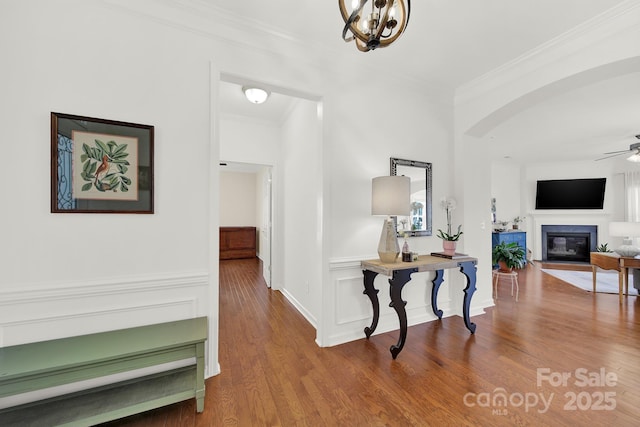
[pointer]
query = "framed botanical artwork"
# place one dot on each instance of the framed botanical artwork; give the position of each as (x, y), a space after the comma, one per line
(100, 166)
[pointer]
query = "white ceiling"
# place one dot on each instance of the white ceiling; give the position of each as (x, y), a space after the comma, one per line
(461, 40)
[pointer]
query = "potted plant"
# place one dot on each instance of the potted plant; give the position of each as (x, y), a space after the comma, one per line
(449, 239)
(509, 256)
(604, 248)
(516, 221)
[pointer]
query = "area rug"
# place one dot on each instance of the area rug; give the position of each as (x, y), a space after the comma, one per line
(606, 281)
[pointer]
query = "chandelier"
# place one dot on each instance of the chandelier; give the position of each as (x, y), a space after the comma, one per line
(377, 26)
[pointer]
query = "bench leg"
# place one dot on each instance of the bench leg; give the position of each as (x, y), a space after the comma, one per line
(200, 377)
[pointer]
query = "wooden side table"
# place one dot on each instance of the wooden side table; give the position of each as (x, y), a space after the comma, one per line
(613, 261)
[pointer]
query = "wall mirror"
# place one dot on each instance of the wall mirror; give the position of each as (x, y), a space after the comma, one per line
(418, 223)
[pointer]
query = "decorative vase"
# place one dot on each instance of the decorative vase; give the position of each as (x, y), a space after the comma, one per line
(388, 248)
(449, 247)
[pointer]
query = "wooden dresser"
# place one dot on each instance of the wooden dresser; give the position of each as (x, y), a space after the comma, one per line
(237, 242)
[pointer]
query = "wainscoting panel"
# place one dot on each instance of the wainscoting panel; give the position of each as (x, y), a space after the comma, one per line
(349, 310)
(56, 310)
(352, 305)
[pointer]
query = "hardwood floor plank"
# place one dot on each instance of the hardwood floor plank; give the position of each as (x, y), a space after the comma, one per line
(274, 374)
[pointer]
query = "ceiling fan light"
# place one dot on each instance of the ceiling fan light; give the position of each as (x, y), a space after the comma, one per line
(635, 157)
(255, 95)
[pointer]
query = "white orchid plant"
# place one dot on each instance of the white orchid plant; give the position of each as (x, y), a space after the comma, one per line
(449, 205)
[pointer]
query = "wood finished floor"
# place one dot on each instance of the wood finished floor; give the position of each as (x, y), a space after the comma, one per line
(273, 373)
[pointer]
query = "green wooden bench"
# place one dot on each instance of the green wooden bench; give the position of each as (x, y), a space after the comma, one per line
(41, 365)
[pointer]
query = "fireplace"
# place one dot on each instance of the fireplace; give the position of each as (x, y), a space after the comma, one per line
(568, 243)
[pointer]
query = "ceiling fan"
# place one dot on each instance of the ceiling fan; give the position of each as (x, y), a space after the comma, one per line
(634, 150)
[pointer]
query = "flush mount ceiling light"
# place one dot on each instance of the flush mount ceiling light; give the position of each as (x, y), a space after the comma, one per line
(255, 95)
(375, 26)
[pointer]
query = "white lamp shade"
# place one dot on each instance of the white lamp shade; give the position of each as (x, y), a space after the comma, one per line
(391, 195)
(624, 229)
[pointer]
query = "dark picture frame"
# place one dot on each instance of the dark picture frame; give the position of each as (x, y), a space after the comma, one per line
(100, 166)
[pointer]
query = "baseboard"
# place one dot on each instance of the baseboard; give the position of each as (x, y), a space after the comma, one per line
(306, 313)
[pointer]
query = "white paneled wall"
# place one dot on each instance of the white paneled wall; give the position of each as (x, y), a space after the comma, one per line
(350, 309)
(50, 311)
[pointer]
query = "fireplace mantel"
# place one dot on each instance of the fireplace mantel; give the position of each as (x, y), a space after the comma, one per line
(571, 243)
(599, 218)
(570, 212)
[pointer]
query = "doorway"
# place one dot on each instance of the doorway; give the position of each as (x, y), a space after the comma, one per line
(246, 201)
(286, 133)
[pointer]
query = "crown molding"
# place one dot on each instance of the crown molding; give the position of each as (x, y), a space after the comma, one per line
(201, 18)
(616, 20)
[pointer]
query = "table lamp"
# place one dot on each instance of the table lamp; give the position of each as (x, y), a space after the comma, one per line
(390, 196)
(628, 230)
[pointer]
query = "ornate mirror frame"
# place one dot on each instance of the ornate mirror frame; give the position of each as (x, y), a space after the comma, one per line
(425, 215)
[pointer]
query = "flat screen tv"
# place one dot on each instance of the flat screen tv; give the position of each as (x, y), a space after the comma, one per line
(571, 193)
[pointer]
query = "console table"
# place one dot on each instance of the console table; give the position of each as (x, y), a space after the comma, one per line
(400, 273)
(612, 261)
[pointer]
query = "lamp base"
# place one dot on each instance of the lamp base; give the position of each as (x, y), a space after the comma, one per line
(388, 247)
(627, 251)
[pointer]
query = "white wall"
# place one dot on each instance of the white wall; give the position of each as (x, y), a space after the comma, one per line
(263, 212)
(472, 179)
(246, 140)
(420, 130)
(301, 181)
(105, 77)
(67, 274)
(238, 197)
(507, 190)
